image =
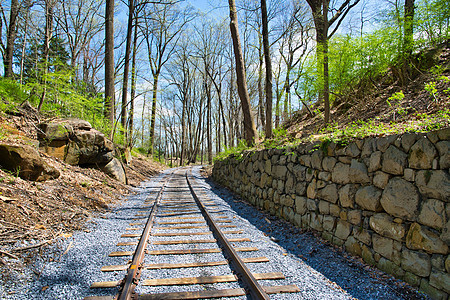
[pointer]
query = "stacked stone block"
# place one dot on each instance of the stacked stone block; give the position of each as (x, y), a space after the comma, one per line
(384, 199)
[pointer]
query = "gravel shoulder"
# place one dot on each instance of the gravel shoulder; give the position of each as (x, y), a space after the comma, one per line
(66, 269)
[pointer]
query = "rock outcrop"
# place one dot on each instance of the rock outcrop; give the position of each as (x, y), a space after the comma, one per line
(75, 142)
(26, 162)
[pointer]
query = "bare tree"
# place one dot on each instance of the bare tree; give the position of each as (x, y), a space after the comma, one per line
(251, 136)
(10, 37)
(109, 61)
(130, 125)
(294, 48)
(132, 14)
(268, 86)
(161, 29)
(408, 37)
(80, 23)
(49, 6)
(26, 19)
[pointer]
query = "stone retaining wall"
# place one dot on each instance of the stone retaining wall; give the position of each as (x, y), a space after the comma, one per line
(383, 199)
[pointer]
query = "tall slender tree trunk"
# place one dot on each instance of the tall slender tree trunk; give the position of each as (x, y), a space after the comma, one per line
(231, 111)
(408, 38)
(260, 86)
(224, 125)
(143, 121)
(85, 65)
(268, 86)
(153, 119)
(133, 88)
(326, 84)
(286, 90)
(49, 5)
(251, 136)
(208, 121)
(11, 37)
(126, 68)
(183, 132)
(24, 43)
(109, 62)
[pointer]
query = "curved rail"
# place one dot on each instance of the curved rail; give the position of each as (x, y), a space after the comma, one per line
(252, 285)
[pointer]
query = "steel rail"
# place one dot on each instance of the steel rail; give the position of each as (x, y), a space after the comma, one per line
(134, 271)
(243, 273)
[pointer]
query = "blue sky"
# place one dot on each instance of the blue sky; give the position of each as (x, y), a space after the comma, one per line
(203, 5)
(209, 6)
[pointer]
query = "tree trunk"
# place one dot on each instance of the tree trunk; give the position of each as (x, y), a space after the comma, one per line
(286, 90)
(232, 110)
(49, 5)
(408, 38)
(408, 28)
(11, 37)
(326, 84)
(24, 43)
(183, 132)
(133, 88)
(109, 62)
(260, 87)
(143, 120)
(208, 121)
(251, 136)
(126, 68)
(268, 86)
(153, 119)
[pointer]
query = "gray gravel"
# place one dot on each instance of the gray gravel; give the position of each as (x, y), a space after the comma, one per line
(320, 270)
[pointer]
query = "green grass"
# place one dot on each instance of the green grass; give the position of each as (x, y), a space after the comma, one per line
(236, 152)
(344, 135)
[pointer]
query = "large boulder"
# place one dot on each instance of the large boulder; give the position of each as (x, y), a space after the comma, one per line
(26, 162)
(75, 142)
(115, 169)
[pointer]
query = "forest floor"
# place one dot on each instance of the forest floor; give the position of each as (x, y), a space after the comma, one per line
(35, 214)
(381, 107)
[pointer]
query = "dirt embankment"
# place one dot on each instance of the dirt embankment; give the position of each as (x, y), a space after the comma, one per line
(384, 102)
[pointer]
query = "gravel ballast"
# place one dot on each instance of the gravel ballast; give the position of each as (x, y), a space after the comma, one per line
(320, 270)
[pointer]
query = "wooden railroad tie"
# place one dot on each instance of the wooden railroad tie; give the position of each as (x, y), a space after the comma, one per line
(183, 265)
(210, 294)
(182, 251)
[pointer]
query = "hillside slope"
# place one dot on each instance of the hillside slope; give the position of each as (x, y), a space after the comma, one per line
(37, 213)
(384, 106)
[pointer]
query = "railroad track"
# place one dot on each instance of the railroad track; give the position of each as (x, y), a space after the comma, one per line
(182, 232)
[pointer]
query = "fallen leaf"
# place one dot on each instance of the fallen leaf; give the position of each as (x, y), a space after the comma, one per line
(44, 288)
(40, 226)
(66, 235)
